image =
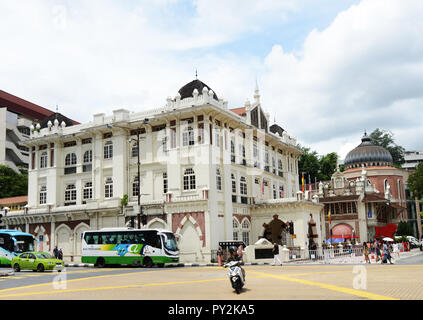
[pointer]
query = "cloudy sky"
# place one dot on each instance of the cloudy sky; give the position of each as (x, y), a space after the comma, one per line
(327, 69)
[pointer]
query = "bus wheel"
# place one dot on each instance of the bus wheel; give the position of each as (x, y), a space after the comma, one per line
(101, 263)
(16, 267)
(147, 262)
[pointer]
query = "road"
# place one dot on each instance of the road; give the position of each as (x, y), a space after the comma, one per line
(403, 280)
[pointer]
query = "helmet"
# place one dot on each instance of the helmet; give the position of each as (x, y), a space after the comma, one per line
(232, 249)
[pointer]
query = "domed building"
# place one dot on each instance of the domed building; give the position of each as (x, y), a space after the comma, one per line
(367, 200)
(368, 154)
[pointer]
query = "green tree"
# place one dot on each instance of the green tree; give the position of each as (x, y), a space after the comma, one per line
(385, 138)
(415, 182)
(12, 184)
(308, 163)
(328, 165)
(320, 168)
(404, 229)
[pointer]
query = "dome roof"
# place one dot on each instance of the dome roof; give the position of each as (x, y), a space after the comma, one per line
(369, 154)
(187, 90)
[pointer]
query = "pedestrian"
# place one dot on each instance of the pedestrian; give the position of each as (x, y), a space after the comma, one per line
(421, 244)
(366, 252)
(377, 250)
(275, 251)
(386, 253)
(396, 250)
(220, 256)
(60, 254)
(55, 252)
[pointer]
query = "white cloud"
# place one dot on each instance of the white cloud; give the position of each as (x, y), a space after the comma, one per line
(361, 72)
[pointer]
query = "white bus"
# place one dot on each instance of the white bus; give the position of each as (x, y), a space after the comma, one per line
(128, 246)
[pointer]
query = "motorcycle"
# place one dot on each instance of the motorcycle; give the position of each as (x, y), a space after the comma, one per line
(235, 275)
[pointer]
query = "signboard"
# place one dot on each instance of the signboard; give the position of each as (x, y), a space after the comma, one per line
(369, 215)
(294, 236)
(41, 237)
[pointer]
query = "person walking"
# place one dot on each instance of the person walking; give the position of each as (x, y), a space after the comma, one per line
(366, 252)
(55, 252)
(396, 250)
(220, 256)
(377, 250)
(60, 254)
(386, 253)
(275, 251)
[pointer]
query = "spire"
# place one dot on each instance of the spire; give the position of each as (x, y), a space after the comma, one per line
(196, 74)
(257, 94)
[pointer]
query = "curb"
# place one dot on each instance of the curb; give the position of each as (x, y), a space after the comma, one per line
(182, 265)
(6, 274)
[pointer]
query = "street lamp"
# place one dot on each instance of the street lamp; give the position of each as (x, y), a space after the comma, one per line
(140, 215)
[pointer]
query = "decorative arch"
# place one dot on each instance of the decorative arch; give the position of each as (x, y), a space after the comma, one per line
(193, 221)
(78, 231)
(157, 220)
(64, 238)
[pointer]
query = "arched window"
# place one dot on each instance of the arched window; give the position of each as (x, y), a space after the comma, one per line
(399, 190)
(88, 156)
(70, 159)
(189, 179)
(43, 160)
(188, 137)
(246, 232)
(236, 229)
(386, 184)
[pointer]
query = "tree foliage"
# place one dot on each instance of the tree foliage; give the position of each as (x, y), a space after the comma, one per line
(12, 184)
(385, 138)
(415, 182)
(320, 168)
(404, 229)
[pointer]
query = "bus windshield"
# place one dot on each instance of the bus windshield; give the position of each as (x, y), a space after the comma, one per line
(23, 244)
(169, 242)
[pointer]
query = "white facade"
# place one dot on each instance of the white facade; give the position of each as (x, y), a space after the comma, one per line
(204, 172)
(14, 130)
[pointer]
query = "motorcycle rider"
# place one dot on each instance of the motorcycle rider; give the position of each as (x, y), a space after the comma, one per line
(233, 256)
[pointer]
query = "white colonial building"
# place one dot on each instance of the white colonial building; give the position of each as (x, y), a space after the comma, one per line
(206, 172)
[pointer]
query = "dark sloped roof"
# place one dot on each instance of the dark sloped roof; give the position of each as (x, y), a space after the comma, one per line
(187, 90)
(23, 107)
(60, 117)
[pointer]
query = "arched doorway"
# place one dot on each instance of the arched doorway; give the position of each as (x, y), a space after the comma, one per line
(342, 231)
(190, 246)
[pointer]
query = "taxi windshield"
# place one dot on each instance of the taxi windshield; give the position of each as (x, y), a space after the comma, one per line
(43, 256)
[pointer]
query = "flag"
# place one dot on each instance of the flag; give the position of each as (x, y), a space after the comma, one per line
(262, 188)
(329, 216)
(282, 192)
(302, 182)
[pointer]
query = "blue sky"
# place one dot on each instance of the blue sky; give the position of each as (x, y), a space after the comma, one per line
(327, 69)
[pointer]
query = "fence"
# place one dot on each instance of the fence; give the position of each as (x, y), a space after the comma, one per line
(337, 255)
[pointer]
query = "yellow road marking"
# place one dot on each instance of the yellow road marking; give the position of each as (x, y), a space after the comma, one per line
(82, 279)
(118, 287)
(354, 292)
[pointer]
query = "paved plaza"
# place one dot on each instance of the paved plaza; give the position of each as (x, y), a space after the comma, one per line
(297, 282)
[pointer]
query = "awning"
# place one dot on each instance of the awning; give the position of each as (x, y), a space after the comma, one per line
(386, 231)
